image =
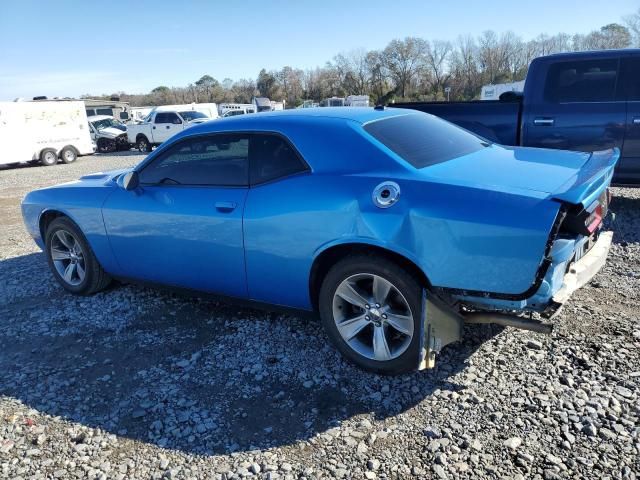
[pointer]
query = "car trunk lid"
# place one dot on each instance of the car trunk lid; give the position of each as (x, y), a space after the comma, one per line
(572, 177)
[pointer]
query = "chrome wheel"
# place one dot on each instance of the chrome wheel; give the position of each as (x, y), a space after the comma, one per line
(49, 158)
(68, 257)
(69, 156)
(373, 317)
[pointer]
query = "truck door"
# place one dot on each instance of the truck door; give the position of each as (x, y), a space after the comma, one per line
(165, 126)
(628, 169)
(574, 105)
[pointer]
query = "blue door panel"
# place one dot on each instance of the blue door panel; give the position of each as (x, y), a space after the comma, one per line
(189, 237)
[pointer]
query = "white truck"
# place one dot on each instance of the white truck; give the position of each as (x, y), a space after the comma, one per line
(160, 125)
(44, 131)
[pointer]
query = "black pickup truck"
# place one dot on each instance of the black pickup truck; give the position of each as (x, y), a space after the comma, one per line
(582, 101)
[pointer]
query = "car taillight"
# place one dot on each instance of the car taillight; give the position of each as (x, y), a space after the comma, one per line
(594, 220)
(586, 221)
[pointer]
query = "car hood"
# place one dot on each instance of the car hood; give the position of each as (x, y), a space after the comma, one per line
(110, 132)
(511, 169)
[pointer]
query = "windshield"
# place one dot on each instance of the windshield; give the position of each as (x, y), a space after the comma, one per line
(192, 115)
(424, 140)
(106, 123)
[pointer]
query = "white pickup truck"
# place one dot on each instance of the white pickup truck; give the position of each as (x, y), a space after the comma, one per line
(160, 125)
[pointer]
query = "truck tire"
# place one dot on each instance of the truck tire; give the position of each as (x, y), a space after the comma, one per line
(48, 157)
(106, 145)
(68, 155)
(143, 144)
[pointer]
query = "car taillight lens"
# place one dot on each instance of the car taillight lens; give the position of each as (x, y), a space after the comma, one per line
(594, 220)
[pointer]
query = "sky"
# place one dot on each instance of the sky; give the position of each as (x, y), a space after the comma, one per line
(69, 48)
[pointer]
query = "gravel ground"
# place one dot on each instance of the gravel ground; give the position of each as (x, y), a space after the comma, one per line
(135, 383)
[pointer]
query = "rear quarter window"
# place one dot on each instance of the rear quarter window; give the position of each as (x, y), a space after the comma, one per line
(424, 140)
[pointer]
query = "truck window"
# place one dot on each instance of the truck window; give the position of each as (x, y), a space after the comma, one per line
(424, 140)
(104, 111)
(629, 83)
(581, 81)
(167, 117)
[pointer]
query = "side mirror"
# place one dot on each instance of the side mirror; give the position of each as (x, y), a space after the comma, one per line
(130, 180)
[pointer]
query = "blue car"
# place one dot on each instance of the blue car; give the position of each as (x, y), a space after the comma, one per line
(395, 226)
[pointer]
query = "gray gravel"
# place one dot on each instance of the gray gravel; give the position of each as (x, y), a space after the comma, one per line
(135, 383)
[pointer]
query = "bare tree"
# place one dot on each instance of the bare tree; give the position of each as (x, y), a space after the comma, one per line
(633, 23)
(404, 59)
(437, 57)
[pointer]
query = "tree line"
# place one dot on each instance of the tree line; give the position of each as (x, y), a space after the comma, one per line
(411, 69)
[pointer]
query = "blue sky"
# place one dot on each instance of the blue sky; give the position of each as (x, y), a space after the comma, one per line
(64, 48)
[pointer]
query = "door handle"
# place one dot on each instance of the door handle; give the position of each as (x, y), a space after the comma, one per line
(226, 206)
(636, 120)
(154, 127)
(543, 122)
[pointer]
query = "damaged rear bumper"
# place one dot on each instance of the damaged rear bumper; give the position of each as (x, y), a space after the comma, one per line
(582, 271)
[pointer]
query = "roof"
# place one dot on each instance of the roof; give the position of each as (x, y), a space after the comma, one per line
(356, 114)
(95, 118)
(595, 53)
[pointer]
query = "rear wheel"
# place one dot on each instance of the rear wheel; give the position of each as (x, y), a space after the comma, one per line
(71, 260)
(68, 155)
(48, 158)
(370, 308)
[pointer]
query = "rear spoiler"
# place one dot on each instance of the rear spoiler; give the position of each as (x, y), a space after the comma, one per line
(591, 180)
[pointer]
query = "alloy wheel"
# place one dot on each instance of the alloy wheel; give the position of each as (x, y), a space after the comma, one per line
(373, 317)
(68, 257)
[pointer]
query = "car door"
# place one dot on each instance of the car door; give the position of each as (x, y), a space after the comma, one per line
(183, 225)
(576, 108)
(628, 169)
(165, 126)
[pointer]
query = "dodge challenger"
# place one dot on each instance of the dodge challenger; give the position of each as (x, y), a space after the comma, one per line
(395, 226)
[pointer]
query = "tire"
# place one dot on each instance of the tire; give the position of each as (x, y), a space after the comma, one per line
(73, 255)
(402, 304)
(68, 155)
(105, 145)
(143, 144)
(48, 158)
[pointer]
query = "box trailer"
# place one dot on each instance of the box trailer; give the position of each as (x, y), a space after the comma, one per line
(44, 131)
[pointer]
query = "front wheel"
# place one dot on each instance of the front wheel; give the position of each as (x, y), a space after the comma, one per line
(143, 144)
(370, 308)
(71, 259)
(106, 145)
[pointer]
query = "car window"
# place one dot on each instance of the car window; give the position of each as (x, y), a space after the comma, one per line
(271, 157)
(214, 160)
(424, 140)
(629, 83)
(581, 81)
(161, 118)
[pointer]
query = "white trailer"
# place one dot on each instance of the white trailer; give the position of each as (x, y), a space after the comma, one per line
(357, 101)
(44, 131)
(493, 91)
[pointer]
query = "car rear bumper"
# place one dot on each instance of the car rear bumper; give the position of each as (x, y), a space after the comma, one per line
(583, 270)
(574, 261)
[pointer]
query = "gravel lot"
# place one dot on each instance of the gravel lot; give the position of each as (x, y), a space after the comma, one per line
(135, 383)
